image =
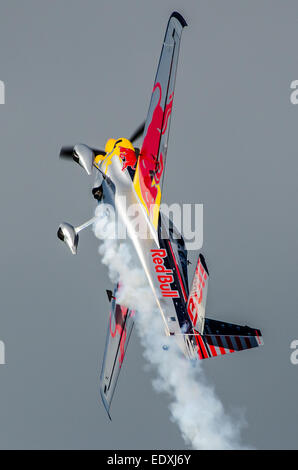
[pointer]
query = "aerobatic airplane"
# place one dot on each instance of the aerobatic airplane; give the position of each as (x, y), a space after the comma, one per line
(137, 175)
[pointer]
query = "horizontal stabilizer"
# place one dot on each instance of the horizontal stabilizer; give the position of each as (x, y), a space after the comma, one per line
(222, 338)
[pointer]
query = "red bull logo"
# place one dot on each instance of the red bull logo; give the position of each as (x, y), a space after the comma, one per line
(128, 158)
(120, 328)
(196, 296)
(165, 276)
(152, 163)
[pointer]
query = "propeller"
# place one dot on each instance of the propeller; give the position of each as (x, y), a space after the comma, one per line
(81, 154)
(138, 132)
(68, 152)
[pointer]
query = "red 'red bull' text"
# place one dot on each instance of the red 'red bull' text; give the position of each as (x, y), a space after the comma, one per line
(165, 276)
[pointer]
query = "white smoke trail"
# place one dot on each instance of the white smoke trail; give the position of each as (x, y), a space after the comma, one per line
(194, 407)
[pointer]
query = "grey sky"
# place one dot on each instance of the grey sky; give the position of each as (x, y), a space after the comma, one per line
(82, 72)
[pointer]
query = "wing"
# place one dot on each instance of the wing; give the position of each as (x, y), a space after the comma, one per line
(151, 163)
(119, 330)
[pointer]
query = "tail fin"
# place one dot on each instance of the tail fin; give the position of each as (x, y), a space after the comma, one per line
(222, 338)
(196, 304)
(211, 338)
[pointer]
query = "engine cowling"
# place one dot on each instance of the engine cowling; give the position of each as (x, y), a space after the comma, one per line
(84, 156)
(81, 154)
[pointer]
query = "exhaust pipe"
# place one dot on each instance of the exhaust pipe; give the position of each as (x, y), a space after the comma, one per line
(69, 234)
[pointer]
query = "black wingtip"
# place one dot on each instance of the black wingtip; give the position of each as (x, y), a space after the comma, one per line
(105, 404)
(180, 18)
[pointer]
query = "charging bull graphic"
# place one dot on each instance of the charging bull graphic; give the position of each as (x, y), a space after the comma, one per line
(120, 328)
(151, 159)
(128, 157)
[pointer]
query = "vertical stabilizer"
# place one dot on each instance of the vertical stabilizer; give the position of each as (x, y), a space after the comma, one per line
(196, 304)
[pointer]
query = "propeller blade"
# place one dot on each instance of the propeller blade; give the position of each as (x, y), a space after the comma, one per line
(66, 152)
(138, 132)
(98, 152)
